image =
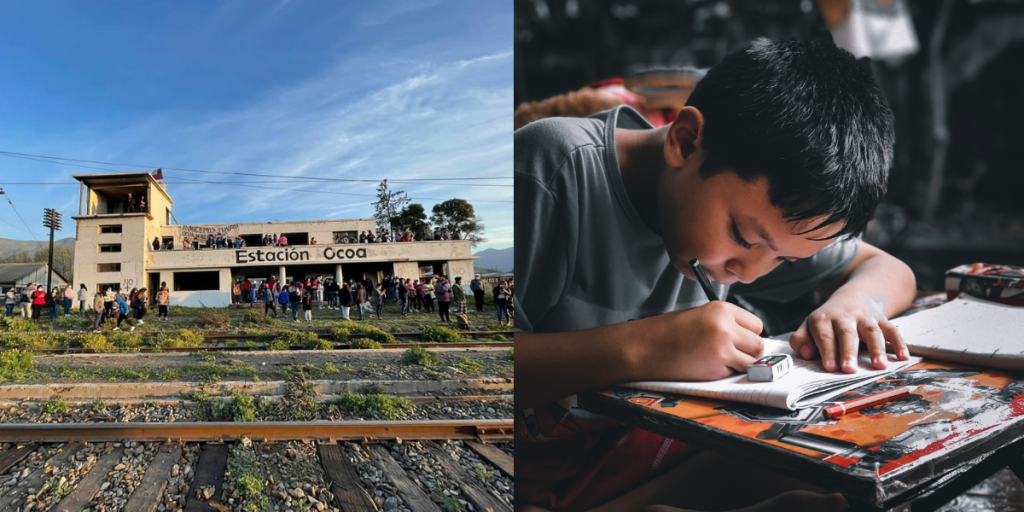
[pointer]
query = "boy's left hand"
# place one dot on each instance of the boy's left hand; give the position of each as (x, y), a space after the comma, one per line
(837, 328)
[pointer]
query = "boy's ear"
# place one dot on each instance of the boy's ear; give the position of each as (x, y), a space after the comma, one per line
(684, 137)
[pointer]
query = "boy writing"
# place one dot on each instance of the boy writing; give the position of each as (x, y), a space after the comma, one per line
(767, 176)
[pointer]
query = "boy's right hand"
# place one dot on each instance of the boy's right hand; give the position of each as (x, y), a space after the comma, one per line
(702, 343)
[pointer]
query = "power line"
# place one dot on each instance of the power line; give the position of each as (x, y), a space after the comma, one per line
(187, 181)
(45, 158)
(28, 229)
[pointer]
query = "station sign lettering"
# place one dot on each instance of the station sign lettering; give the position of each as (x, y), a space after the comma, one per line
(285, 255)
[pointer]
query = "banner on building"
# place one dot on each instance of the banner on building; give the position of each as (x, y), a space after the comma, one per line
(204, 232)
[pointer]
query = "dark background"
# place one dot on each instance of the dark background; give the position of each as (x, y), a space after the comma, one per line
(975, 210)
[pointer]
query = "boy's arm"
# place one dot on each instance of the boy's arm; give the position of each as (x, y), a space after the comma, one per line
(703, 343)
(873, 287)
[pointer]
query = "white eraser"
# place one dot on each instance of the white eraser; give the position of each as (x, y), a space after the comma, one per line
(770, 368)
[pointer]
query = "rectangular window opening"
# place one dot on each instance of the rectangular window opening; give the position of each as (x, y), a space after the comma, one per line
(113, 228)
(108, 267)
(196, 281)
(110, 247)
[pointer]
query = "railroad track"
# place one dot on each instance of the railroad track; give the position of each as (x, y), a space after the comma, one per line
(354, 466)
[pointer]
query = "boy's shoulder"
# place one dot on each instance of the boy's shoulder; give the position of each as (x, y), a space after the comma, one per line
(542, 146)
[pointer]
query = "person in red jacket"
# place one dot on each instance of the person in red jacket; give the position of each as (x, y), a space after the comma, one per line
(38, 301)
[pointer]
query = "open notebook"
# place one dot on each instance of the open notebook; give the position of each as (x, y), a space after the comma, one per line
(805, 385)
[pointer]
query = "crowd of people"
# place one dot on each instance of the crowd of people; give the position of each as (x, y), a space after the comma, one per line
(363, 299)
(220, 241)
(437, 293)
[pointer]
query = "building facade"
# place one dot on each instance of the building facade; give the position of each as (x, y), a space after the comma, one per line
(115, 233)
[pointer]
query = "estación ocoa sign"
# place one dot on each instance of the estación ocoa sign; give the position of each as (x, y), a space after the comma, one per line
(285, 255)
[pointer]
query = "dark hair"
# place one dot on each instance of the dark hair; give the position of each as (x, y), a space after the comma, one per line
(807, 116)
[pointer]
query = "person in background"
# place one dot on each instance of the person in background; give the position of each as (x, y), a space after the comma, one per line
(141, 305)
(122, 313)
(246, 287)
(360, 298)
(428, 296)
(477, 287)
(83, 297)
(282, 299)
(54, 301)
(131, 301)
(283, 241)
(459, 297)
(99, 309)
(294, 298)
(307, 305)
(236, 293)
(163, 300)
(317, 285)
(269, 303)
(186, 243)
(501, 302)
(378, 299)
(156, 243)
(312, 242)
(38, 301)
(69, 299)
(444, 299)
(417, 296)
(26, 300)
(108, 301)
(403, 298)
(345, 300)
(10, 300)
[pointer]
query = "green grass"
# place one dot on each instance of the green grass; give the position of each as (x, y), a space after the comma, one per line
(485, 474)
(243, 407)
(438, 334)
(451, 504)
(420, 356)
(364, 343)
(204, 372)
(16, 365)
(511, 354)
(468, 365)
(100, 405)
(55, 406)
(374, 404)
(245, 468)
(182, 338)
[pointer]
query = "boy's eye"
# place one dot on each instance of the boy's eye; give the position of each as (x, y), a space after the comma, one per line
(739, 239)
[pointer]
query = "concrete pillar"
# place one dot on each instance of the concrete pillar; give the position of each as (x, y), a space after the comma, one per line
(338, 277)
(281, 276)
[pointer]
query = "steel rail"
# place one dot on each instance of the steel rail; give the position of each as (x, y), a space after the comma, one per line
(485, 430)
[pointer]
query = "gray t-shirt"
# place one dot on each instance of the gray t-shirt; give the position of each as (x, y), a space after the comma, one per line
(588, 259)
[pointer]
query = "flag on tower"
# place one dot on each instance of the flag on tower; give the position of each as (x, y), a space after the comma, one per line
(158, 174)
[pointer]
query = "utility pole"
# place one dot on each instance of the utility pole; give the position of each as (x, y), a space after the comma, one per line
(51, 219)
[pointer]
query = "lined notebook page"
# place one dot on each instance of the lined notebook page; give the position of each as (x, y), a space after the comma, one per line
(806, 384)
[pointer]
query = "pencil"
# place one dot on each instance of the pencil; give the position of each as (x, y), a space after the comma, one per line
(702, 278)
(835, 411)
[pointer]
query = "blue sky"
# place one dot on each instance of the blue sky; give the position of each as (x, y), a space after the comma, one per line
(383, 89)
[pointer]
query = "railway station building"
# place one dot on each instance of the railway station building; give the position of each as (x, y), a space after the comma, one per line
(121, 214)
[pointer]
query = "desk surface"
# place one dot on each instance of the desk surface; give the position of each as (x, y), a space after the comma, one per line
(957, 415)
